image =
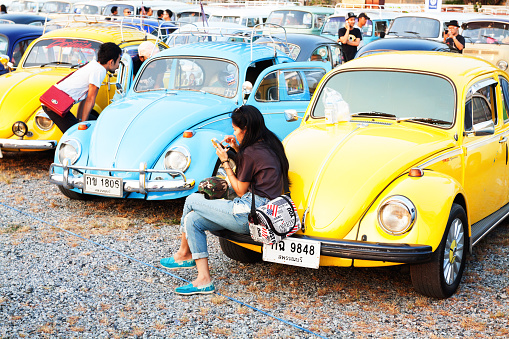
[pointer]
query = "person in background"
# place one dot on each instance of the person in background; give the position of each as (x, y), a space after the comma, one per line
(127, 12)
(145, 50)
(85, 82)
(160, 13)
(452, 37)
(262, 168)
(114, 11)
(146, 11)
(167, 14)
(362, 19)
(3, 9)
(349, 37)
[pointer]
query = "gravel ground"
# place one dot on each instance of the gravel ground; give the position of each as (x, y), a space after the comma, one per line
(53, 284)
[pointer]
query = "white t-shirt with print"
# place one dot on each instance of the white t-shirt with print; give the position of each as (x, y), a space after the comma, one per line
(77, 84)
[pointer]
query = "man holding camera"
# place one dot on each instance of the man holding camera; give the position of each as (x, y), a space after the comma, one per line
(349, 37)
(452, 38)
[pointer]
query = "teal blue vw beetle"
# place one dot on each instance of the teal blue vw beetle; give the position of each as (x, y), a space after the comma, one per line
(154, 141)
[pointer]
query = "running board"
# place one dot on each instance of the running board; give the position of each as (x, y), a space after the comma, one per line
(484, 226)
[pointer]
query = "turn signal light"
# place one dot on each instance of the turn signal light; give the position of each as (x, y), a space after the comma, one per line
(82, 127)
(188, 134)
(416, 173)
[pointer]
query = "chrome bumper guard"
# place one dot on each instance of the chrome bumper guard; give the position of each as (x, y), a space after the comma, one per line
(28, 144)
(142, 185)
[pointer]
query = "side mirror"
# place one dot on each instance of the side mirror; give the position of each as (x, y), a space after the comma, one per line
(484, 128)
(119, 88)
(247, 88)
(291, 115)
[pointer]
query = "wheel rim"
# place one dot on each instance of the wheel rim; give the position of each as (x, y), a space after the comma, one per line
(453, 251)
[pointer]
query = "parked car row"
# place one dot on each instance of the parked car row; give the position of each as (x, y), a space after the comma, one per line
(413, 174)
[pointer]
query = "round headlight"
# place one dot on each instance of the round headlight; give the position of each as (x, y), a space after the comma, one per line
(177, 158)
(43, 121)
(502, 64)
(19, 128)
(396, 215)
(70, 149)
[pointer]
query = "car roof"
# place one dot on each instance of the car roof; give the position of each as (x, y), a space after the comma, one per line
(13, 31)
(310, 9)
(455, 66)
(238, 52)
(404, 44)
(99, 32)
(489, 19)
(22, 18)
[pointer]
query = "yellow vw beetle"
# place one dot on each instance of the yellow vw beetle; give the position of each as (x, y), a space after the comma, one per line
(23, 124)
(417, 174)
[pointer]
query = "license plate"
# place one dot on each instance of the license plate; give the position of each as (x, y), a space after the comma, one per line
(296, 252)
(103, 185)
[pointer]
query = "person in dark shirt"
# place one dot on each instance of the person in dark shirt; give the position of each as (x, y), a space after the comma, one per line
(452, 37)
(145, 50)
(349, 37)
(262, 167)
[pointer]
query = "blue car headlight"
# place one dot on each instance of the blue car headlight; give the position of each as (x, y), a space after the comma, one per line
(70, 149)
(177, 158)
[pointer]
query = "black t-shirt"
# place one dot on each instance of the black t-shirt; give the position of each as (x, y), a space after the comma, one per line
(452, 45)
(348, 50)
(261, 165)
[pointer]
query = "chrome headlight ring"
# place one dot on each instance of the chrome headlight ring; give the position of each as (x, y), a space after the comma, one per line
(70, 149)
(396, 215)
(502, 64)
(177, 158)
(42, 121)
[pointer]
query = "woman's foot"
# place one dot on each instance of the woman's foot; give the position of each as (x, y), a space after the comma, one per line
(173, 264)
(190, 289)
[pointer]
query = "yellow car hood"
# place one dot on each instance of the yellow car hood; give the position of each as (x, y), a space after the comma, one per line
(20, 92)
(338, 170)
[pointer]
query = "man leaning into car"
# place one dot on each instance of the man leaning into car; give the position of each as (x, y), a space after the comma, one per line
(85, 82)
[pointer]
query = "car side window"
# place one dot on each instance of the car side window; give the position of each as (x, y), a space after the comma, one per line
(294, 83)
(504, 84)
(268, 89)
(480, 105)
(336, 55)
(19, 50)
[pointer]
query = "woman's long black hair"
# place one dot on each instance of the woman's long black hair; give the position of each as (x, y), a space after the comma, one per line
(249, 118)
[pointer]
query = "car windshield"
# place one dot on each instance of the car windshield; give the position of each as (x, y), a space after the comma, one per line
(291, 50)
(56, 7)
(416, 27)
(192, 74)
(4, 44)
(293, 19)
(65, 51)
(401, 94)
(332, 25)
(486, 32)
(86, 9)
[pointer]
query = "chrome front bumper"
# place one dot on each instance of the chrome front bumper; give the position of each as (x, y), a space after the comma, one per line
(142, 185)
(28, 144)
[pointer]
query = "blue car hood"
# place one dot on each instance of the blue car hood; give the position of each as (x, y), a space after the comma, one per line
(140, 127)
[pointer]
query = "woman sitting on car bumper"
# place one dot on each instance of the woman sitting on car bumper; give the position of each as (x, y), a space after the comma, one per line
(262, 163)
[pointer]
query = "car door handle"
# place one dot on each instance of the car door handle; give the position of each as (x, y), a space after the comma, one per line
(502, 140)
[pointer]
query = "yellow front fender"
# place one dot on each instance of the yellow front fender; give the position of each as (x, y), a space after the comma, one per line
(432, 194)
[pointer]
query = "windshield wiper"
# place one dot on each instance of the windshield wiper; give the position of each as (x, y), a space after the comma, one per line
(375, 114)
(77, 66)
(427, 120)
(56, 63)
(411, 32)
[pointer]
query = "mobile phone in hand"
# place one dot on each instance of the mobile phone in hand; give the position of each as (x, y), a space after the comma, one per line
(216, 143)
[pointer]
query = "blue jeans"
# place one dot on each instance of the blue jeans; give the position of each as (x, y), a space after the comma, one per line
(202, 215)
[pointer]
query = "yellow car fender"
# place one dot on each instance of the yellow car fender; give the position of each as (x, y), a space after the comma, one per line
(432, 195)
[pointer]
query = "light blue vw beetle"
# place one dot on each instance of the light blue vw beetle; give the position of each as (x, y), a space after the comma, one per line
(154, 141)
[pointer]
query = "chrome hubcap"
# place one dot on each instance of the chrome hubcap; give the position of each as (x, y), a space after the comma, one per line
(453, 252)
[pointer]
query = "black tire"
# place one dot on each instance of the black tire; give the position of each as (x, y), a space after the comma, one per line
(440, 278)
(239, 253)
(75, 195)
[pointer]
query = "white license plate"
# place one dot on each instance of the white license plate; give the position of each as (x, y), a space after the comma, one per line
(103, 185)
(296, 252)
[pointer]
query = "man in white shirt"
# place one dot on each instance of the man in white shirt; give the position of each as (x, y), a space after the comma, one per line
(85, 83)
